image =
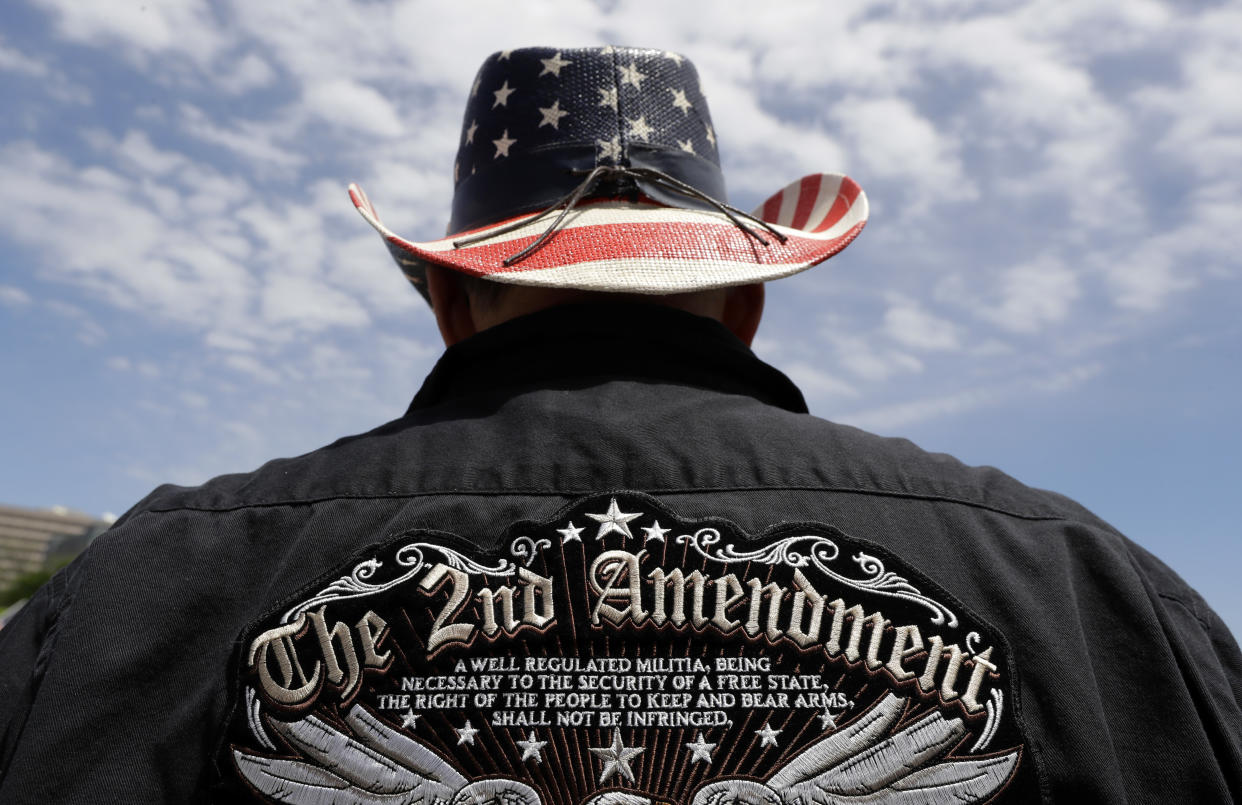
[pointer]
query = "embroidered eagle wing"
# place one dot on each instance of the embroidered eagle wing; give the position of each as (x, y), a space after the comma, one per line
(373, 764)
(868, 762)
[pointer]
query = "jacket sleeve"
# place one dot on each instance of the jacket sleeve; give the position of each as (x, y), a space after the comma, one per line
(26, 646)
(1210, 661)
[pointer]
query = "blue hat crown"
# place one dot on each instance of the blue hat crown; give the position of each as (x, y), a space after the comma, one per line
(537, 119)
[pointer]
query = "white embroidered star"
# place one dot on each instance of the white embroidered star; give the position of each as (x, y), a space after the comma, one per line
(654, 532)
(680, 101)
(639, 128)
(614, 520)
(610, 149)
(827, 722)
(607, 51)
(631, 75)
(504, 55)
(409, 721)
(474, 88)
(456, 171)
(609, 98)
(768, 735)
(466, 734)
(552, 115)
(668, 54)
(554, 65)
(571, 534)
(616, 758)
(686, 146)
(711, 135)
(502, 145)
(502, 94)
(532, 748)
(474, 126)
(702, 749)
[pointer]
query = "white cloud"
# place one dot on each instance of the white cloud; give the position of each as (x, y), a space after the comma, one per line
(303, 302)
(1202, 246)
(15, 61)
(1068, 379)
(194, 399)
(253, 367)
(13, 297)
(889, 418)
(861, 356)
(245, 74)
(817, 383)
(228, 341)
(908, 323)
(1033, 295)
(1143, 281)
(893, 417)
(893, 141)
(154, 26)
(255, 142)
(353, 105)
(137, 149)
(1203, 115)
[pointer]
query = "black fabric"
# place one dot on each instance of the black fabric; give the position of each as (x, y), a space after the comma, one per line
(116, 682)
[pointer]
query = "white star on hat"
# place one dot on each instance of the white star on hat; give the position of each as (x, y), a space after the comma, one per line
(552, 115)
(502, 145)
(610, 149)
(639, 128)
(680, 100)
(571, 534)
(610, 97)
(502, 94)
(630, 75)
(554, 65)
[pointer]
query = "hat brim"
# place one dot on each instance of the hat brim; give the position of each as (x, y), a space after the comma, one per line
(646, 247)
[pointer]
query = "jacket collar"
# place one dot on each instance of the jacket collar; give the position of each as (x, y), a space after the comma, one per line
(574, 346)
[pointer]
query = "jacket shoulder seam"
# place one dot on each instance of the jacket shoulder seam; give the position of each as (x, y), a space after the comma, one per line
(310, 501)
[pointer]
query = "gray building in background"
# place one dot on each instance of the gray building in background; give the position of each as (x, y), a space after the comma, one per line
(32, 538)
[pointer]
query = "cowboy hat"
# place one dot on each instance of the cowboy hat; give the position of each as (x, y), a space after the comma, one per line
(597, 169)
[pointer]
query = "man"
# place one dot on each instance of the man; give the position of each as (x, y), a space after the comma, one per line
(606, 557)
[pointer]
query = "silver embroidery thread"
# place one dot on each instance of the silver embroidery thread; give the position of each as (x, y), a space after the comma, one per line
(820, 552)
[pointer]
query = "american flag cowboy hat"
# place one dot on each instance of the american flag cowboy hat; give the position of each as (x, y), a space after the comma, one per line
(597, 169)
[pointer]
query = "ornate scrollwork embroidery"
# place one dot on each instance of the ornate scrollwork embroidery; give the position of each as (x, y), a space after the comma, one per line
(806, 550)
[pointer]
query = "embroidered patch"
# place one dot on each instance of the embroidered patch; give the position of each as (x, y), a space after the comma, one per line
(619, 655)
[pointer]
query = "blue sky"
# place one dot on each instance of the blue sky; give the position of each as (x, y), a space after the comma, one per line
(1049, 282)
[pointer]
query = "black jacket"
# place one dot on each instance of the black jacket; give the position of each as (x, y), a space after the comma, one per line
(607, 554)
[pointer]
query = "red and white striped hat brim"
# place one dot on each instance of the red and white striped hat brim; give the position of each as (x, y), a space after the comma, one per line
(646, 247)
